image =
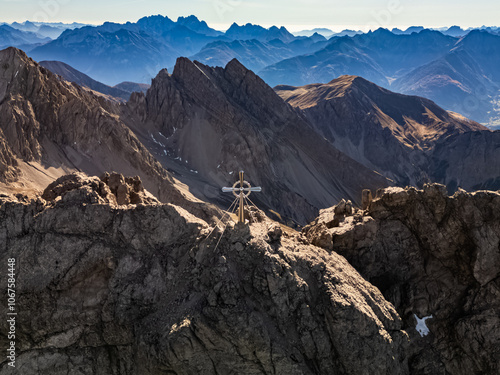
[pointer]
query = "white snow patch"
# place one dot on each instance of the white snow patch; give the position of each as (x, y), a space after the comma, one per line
(218, 166)
(155, 141)
(193, 171)
(15, 75)
(421, 326)
(230, 172)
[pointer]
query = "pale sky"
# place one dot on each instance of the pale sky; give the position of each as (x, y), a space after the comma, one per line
(293, 14)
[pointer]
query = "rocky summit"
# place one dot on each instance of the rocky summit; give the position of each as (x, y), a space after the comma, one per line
(108, 288)
(111, 281)
(433, 256)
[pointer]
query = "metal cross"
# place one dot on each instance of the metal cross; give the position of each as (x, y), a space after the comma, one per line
(241, 192)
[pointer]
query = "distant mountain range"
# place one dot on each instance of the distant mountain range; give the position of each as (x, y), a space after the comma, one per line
(11, 37)
(454, 67)
(255, 54)
(44, 29)
(466, 79)
(112, 53)
(308, 147)
(461, 74)
(377, 56)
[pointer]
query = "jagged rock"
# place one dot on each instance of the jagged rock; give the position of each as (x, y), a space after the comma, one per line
(111, 188)
(343, 208)
(320, 231)
(274, 232)
(78, 188)
(366, 198)
(431, 254)
(254, 215)
(141, 289)
(128, 190)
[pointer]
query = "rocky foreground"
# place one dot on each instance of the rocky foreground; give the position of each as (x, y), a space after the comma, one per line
(430, 255)
(110, 281)
(105, 288)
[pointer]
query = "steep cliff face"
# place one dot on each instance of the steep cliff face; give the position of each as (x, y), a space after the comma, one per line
(430, 255)
(47, 120)
(8, 164)
(143, 289)
(221, 120)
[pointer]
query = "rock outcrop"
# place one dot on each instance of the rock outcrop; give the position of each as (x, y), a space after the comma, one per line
(110, 188)
(143, 289)
(430, 254)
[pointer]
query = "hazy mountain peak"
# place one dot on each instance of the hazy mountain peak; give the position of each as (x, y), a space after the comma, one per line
(156, 23)
(251, 31)
(191, 18)
(155, 18)
(192, 22)
(381, 31)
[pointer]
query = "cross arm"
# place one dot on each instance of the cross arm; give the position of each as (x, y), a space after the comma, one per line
(255, 189)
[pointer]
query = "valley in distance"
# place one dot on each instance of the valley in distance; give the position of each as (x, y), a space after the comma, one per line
(372, 248)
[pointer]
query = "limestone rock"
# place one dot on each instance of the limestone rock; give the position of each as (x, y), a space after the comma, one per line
(79, 188)
(128, 190)
(366, 198)
(431, 254)
(143, 289)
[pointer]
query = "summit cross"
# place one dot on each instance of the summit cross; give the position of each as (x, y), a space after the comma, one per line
(241, 189)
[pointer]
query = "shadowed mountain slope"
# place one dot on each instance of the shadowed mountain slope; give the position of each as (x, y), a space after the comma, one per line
(218, 121)
(71, 74)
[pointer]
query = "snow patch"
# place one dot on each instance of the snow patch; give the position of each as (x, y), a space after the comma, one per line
(421, 326)
(155, 141)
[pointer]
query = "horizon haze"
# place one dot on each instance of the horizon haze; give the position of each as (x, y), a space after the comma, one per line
(295, 15)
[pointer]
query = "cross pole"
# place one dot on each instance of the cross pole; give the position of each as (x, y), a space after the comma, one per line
(241, 192)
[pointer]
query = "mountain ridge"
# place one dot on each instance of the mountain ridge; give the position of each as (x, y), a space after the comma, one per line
(376, 127)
